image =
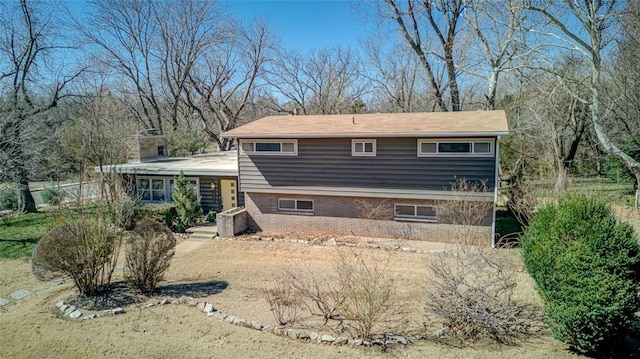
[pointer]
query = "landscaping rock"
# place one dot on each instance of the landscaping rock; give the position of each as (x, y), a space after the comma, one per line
(164, 301)
(191, 301)
(255, 325)
(231, 319)
(208, 308)
(118, 310)
(340, 341)
(75, 314)
(90, 316)
(40, 287)
(201, 305)
(220, 315)
(4, 302)
(63, 307)
(69, 310)
(19, 294)
(314, 336)
(58, 282)
(332, 242)
(60, 304)
(327, 338)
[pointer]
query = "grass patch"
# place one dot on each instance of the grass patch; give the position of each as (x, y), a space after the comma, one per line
(21, 232)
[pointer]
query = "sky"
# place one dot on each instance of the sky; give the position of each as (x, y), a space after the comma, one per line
(307, 24)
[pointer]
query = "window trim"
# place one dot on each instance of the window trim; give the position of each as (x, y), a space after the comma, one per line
(364, 141)
(166, 187)
(269, 153)
(415, 217)
(296, 209)
(471, 141)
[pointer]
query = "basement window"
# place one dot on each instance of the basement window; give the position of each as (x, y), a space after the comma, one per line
(416, 212)
(295, 205)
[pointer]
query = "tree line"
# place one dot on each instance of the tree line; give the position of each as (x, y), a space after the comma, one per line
(74, 84)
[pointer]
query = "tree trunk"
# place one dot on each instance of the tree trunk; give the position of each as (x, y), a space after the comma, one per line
(561, 180)
(26, 203)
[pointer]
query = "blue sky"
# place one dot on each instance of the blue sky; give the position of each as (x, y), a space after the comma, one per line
(305, 25)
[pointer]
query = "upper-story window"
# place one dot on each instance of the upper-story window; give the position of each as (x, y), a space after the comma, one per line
(427, 148)
(270, 147)
(363, 147)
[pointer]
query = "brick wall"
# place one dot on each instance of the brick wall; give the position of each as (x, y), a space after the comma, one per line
(144, 147)
(343, 216)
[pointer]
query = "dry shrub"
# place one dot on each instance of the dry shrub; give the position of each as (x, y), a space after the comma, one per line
(85, 250)
(523, 199)
(324, 295)
(285, 301)
(149, 250)
(356, 295)
(370, 307)
(463, 212)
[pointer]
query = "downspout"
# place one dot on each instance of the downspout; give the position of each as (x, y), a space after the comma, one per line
(495, 194)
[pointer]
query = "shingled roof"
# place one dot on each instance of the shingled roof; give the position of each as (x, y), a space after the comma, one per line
(424, 124)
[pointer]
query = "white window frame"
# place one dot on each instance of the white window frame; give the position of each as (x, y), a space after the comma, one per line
(296, 209)
(253, 151)
(166, 184)
(364, 142)
(471, 141)
(415, 217)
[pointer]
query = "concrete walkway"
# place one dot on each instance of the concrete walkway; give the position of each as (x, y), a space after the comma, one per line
(197, 237)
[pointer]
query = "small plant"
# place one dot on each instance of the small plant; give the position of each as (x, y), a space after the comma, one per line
(369, 307)
(149, 250)
(585, 264)
(187, 205)
(52, 196)
(8, 199)
(212, 216)
(285, 301)
(85, 250)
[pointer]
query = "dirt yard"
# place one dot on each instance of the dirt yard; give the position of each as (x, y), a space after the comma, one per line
(34, 328)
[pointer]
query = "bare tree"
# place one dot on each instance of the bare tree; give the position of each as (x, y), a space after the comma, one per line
(420, 21)
(397, 79)
(153, 47)
(327, 81)
(223, 85)
(28, 89)
(595, 21)
(497, 27)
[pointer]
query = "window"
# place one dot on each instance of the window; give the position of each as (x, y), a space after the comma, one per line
(297, 205)
(428, 148)
(159, 189)
(282, 147)
(416, 212)
(161, 151)
(363, 147)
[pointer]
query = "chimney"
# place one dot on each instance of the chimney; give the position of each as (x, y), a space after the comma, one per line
(146, 145)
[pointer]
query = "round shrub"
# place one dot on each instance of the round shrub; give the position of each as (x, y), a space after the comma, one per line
(8, 199)
(585, 264)
(52, 196)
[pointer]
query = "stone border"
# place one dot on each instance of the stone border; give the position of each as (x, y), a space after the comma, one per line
(207, 308)
(331, 242)
(23, 293)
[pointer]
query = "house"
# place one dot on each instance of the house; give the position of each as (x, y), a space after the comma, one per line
(152, 173)
(386, 175)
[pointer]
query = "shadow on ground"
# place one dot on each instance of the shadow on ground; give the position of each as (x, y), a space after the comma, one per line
(121, 295)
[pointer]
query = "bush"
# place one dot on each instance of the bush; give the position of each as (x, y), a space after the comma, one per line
(163, 212)
(285, 301)
(52, 196)
(212, 216)
(187, 205)
(585, 264)
(85, 250)
(149, 250)
(8, 199)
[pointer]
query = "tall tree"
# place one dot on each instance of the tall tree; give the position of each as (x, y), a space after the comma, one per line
(594, 22)
(421, 21)
(29, 90)
(326, 81)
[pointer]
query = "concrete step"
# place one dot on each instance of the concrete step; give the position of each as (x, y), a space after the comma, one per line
(201, 237)
(203, 229)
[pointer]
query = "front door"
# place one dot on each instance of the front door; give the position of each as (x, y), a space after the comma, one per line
(229, 194)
